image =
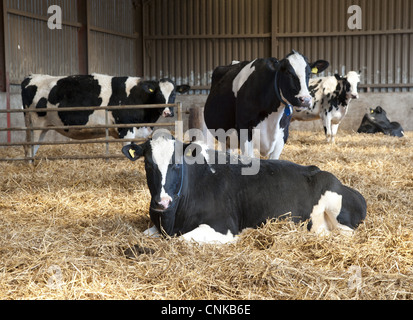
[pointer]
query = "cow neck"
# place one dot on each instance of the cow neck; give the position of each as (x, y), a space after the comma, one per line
(288, 110)
(182, 178)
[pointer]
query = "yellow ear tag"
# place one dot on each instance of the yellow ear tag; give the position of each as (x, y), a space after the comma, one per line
(372, 111)
(151, 90)
(132, 153)
(314, 70)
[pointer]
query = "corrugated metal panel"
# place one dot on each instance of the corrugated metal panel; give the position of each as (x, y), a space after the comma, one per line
(33, 47)
(112, 55)
(186, 39)
(112, 42)
(382, 50)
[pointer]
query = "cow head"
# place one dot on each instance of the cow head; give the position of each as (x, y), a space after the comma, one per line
(163, 173)
(294, 75)
(353, 79)
(166, 93)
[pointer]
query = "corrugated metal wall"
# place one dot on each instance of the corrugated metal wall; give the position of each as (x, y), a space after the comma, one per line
(112, 37)
(382, 49)
(187, 39)
(34, 48)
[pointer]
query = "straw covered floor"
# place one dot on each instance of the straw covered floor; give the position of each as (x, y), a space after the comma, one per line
(65, 225)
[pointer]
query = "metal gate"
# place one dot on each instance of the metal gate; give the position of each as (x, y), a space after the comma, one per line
(107, 140)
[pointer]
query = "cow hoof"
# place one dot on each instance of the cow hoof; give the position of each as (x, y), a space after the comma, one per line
(136, 251)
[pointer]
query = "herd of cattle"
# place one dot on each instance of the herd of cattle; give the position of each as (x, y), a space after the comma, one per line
(194, 196)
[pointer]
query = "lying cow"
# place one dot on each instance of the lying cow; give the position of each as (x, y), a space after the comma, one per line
(43, 91)
(376, 121)
(209, 202)
(259, 94)
(332, 96)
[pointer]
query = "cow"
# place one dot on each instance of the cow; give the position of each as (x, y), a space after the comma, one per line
(332, 96)
(44, 91)
(207, 202)
(259, 94)
(376, 121)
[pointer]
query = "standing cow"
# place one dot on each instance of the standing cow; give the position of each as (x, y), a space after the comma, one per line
(44, 91)
(332, 96)
(260, 94)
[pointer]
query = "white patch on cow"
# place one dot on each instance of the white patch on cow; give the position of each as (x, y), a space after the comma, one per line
(353, 78)
(105, 83)
(299, 65)
(162, 152)
(130, 83)
(242, 77)
(271, 136)
(204, 234)
(166, 89)
(325, 213)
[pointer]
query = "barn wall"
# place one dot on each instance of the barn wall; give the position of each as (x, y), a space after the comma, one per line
(109, 29)
(187, 39)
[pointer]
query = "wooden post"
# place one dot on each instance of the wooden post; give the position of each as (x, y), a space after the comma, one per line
(83, 36)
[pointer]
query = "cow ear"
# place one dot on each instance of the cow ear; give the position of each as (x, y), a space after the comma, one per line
(133, 152)
(148, 87)
(183, 88)
(319, 66)
(337, 76)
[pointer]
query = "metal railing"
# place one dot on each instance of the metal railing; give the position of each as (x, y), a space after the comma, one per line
(106, 140)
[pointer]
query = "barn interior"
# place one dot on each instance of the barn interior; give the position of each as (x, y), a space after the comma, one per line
(65, 228)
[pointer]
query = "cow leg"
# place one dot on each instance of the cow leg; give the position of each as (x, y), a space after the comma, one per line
(204, 234)
(39, 139)
(334, 129)
(279, 146)
(327, 126)
(32, 136)
(325, 213)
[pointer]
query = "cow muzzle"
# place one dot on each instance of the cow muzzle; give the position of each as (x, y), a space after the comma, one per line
(167, 113)
(162, 205)
(305, 102)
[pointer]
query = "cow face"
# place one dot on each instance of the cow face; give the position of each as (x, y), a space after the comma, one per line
(294, 75)
(353, 79)
(164, 176)
(166, 93)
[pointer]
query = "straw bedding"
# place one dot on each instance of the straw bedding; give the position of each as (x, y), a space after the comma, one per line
(65, 225)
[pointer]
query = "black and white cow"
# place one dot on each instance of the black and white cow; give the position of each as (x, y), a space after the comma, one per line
(377, 122)
(332, 96)
(260, 94)
(44, 91)
(207, 202)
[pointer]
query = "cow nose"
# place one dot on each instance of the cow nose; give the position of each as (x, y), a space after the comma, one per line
(305, 102)
(167, 113)
(165, 203)
(354, 96)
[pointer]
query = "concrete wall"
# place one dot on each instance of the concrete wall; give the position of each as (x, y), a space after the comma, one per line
(399, 107)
